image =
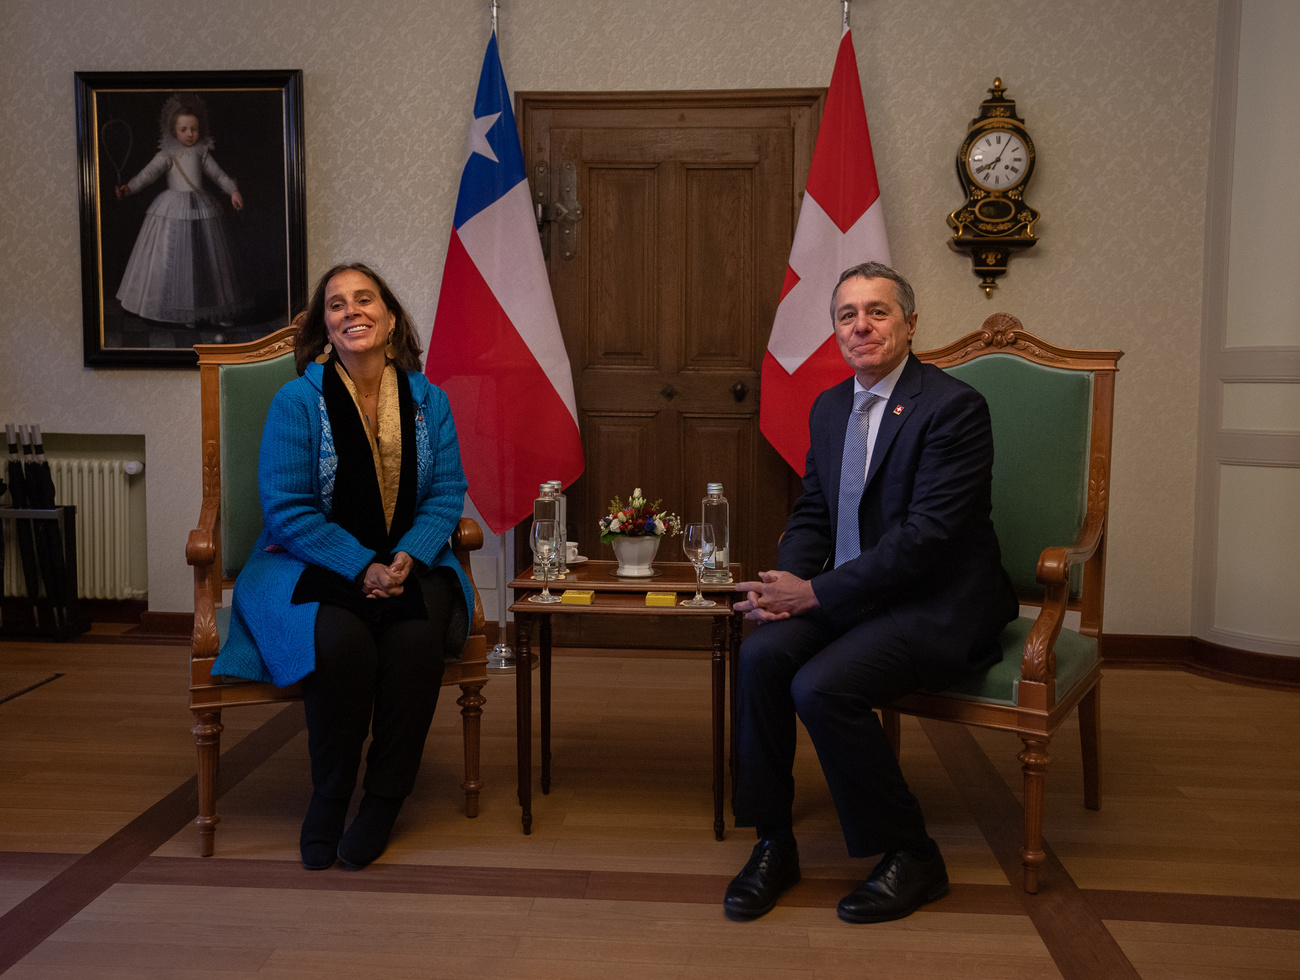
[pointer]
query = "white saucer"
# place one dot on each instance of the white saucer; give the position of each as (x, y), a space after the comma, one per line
(575, 561)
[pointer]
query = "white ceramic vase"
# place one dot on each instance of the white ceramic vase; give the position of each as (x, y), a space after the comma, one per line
(635, 555)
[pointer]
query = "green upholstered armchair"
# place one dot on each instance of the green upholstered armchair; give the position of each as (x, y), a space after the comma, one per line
(237, 383)
(1051, 410)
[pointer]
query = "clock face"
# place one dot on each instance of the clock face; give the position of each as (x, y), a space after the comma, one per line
(997, 160)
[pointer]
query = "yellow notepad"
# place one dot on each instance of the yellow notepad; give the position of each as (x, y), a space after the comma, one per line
(577, 597)
(661, 598)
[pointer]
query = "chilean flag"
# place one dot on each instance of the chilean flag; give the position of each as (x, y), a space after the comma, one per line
(496, 347)
(840, 225)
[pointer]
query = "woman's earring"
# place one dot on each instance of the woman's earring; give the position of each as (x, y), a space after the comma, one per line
(390, 351)
(324, 356)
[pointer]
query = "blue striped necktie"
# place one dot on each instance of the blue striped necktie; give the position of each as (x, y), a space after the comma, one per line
(852, 475)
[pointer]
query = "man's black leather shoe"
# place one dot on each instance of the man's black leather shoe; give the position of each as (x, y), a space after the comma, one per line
(771, 869)
(899, 885)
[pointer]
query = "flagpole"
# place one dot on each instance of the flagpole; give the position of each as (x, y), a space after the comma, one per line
(844, 23)
(502, 656)
(501, 659)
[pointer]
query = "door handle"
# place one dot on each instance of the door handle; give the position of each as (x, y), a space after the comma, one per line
(739, 391)
(668, 391)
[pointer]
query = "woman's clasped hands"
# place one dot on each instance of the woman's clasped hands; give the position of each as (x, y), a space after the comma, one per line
(383, 581)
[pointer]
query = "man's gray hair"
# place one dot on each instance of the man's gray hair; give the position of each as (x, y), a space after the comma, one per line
(878, 270)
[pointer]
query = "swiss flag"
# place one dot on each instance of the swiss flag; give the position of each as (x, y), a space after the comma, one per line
(496, 348)
(840, 225)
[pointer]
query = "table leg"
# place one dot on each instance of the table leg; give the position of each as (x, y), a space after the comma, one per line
(524, 717)
(544, 668)
(733, 656)
(719, 685)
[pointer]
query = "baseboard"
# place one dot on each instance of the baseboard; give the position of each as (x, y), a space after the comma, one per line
(115, 610)
(1201, 657)
(166, 624)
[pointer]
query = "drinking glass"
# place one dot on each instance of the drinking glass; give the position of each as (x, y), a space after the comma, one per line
(546, 543)
(698, 546)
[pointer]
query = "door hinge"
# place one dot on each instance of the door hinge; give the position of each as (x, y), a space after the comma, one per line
(567, 211)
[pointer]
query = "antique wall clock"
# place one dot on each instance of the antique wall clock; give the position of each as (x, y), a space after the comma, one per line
(994, 165)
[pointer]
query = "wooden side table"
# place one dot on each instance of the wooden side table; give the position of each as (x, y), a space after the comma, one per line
(619, 597)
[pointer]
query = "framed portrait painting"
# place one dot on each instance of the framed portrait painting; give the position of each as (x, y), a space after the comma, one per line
(193, 222)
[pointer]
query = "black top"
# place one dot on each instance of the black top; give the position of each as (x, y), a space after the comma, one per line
(358, 508)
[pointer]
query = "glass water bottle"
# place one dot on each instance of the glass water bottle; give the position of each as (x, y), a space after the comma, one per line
(561, 559)
(717, 570)
(545, 508)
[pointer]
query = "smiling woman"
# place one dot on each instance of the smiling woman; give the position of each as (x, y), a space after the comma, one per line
(352, 587)
(355, 290)
(358, 322)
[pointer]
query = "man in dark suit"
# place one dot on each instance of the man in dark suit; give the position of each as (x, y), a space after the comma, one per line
(889, 579)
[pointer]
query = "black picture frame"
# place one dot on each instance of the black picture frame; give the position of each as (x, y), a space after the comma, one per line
(180, 293)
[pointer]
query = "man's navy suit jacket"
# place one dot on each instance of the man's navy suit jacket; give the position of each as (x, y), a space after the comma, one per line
(930, 557)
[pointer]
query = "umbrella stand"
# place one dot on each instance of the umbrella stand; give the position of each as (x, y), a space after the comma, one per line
(23, 527)
(49, 542)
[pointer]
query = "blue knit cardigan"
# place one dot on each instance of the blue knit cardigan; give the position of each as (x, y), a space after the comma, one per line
(270, 638)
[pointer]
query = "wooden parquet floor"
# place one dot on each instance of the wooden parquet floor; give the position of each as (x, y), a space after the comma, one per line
(1191, 869)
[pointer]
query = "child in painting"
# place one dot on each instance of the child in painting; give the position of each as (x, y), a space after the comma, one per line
(183, 268)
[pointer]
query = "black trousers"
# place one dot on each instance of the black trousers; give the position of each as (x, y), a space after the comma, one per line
(384, 678)
(830, 679)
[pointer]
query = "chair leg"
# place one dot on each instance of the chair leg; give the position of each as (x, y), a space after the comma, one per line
(1089, 726)
(207, 737)
(471, 712)
(892, 723)
(1034, 761)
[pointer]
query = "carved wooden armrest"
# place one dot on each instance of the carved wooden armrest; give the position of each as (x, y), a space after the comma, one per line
(1054, 563)
(201, 552)
(201, 548)
(1039, 660)
(468, 537)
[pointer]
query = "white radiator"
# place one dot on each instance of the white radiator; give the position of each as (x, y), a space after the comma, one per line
(98, 489)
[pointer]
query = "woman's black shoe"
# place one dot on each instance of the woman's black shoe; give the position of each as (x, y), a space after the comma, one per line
(321, 830)
(366, 839)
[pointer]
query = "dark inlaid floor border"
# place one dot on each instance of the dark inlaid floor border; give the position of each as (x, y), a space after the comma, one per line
(1074, 934)
(28, 688)
(607, 886)
(41, 914)
(1239, 911)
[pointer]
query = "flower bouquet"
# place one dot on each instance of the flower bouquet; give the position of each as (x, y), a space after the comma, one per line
(637, 518)
(634, 530)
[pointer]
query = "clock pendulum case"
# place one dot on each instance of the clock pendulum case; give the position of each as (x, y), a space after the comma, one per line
(994, 165)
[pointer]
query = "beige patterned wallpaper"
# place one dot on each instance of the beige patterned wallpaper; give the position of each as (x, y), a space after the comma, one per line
(1117, 96)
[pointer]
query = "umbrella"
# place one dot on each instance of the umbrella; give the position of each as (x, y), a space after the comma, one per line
(49, 542)
(23, 528)
(3, 487)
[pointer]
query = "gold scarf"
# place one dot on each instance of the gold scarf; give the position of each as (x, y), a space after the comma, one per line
(386, 448)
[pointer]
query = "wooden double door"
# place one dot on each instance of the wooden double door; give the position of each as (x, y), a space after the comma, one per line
(668, 223)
